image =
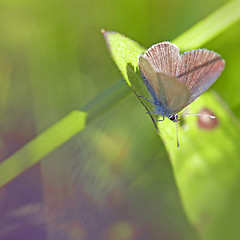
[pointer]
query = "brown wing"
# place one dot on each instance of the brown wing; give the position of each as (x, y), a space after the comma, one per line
(198, 70)
(164, 57)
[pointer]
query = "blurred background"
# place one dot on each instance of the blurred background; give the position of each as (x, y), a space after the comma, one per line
(114, 179)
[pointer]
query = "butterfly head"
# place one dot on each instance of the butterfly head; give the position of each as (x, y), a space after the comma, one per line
(174, 118)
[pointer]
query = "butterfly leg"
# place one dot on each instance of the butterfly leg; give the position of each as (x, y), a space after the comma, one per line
(151, 112)
(147, 99)
(160, 120)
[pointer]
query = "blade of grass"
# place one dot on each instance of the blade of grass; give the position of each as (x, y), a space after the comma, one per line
(60, 132)
(42, 145)
(25, 157)
(210, 27)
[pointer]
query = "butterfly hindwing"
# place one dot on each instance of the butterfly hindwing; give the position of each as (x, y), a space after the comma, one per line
(198, 70)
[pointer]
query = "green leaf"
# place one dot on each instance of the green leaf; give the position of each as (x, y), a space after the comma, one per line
(207, 170)
(206, 166)
(125, 53)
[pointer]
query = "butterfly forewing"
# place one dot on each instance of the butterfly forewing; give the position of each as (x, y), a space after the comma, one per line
(198, 70)
(164, 57)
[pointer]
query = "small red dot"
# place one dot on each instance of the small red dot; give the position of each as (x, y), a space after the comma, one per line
(206, 122)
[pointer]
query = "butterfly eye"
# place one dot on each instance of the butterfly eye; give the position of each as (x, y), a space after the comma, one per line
(172, 118)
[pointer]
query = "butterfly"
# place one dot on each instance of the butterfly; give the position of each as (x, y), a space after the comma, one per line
(173, 80)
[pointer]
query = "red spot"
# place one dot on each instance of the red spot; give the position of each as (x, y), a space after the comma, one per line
(206, 122)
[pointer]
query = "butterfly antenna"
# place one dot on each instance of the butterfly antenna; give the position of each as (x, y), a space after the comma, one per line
(201, 115)
(177, 134)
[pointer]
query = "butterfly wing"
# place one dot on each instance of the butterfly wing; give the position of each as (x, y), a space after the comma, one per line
(164, 57)
(168, 90)
(175, 93)
(150, 78)
(198, 70)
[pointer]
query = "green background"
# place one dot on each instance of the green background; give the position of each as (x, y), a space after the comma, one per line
(53, 59)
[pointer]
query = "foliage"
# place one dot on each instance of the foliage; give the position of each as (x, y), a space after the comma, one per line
(49, 63)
